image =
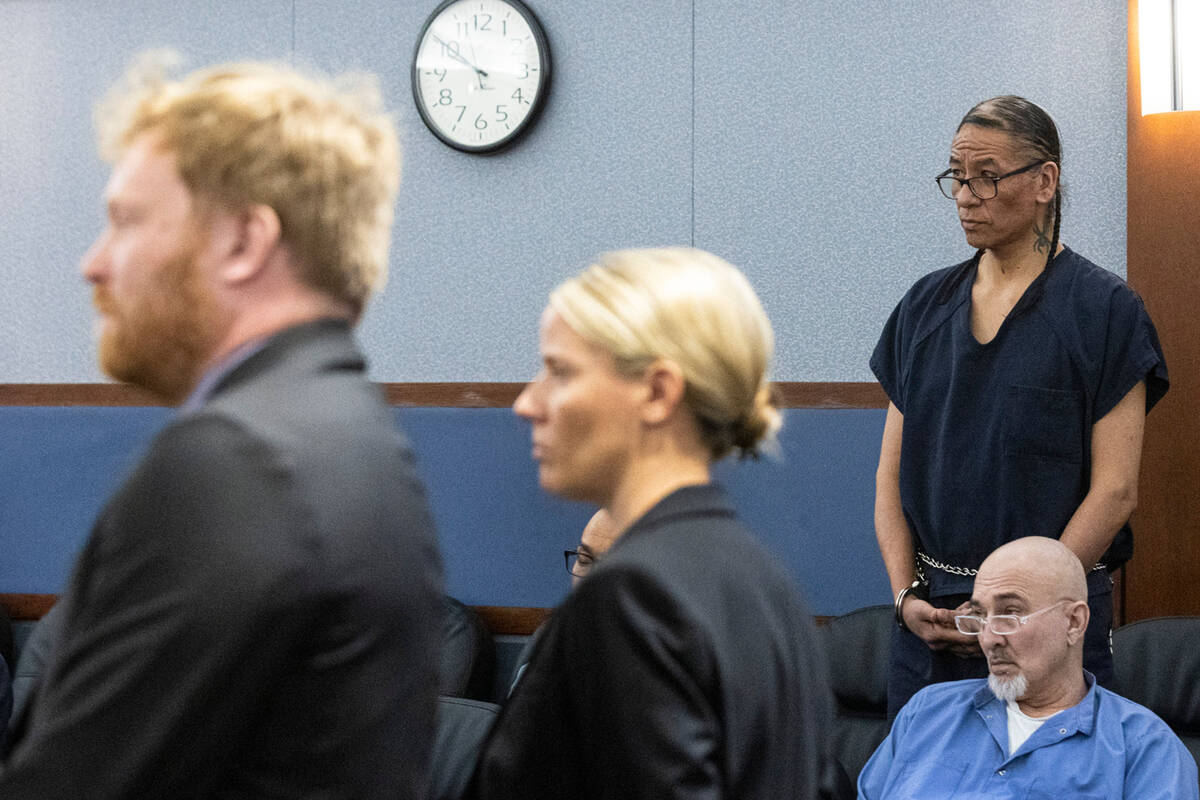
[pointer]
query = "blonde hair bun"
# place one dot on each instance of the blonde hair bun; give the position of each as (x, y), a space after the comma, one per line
(760, 425)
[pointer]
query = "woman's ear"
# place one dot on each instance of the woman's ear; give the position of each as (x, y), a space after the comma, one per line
(665, 387)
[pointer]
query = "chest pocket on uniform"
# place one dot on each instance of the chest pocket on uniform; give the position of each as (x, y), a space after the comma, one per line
(1042, 794)
(924, 777)
(1043, 423)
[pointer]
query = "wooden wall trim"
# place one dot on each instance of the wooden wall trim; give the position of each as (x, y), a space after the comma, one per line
(513, 621)
(73, 394)
(452, 395)
(27, 606)
(832, 395)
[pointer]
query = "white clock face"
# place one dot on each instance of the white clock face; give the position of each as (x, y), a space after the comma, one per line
(479, 73)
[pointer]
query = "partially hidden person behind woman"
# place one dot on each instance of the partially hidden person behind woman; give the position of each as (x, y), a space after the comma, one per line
(1019, 383)
(686, 665)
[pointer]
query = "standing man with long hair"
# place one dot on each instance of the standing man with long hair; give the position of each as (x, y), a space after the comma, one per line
(1019, 383)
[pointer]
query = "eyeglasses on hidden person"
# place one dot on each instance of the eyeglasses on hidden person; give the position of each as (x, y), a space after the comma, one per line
(578, 563)
(1000, 624)
(982, 186)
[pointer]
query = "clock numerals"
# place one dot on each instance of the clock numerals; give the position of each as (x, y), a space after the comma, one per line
(480, 22)
(479, 72)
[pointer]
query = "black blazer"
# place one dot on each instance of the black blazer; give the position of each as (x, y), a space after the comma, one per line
(684, 666)
(256, 612)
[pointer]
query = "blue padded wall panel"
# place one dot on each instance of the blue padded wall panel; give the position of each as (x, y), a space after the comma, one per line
(814, 508)
(57, 467)
(501, 536)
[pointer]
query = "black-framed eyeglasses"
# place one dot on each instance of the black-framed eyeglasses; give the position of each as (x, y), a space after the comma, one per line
(981, 186)
(579, 563)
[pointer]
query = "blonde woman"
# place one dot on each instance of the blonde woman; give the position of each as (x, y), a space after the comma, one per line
(685, 665)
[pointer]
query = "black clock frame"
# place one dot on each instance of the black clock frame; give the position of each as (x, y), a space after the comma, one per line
(539, 99)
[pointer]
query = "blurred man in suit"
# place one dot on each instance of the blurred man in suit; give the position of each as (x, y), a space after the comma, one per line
(255, 613)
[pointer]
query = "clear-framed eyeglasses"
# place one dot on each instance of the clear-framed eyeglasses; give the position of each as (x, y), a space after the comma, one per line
(1000, 624)
(579, 563)
(982, 186)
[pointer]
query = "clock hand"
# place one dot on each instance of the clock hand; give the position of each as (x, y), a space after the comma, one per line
(457, 56)
(480, 74)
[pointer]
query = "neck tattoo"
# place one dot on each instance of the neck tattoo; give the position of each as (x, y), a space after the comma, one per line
(1042, 245)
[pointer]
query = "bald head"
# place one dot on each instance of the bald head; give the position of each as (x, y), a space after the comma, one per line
(1040, 586)
(1046, 568)
(598, 535)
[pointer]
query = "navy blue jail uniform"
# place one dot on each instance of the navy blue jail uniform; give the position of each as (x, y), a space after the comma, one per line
(997, 437)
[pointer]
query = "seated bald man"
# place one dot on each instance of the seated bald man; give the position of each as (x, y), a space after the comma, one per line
(598, 535)
(1038, 726)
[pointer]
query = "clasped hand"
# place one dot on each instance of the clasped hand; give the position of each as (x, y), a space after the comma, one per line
(935, 626)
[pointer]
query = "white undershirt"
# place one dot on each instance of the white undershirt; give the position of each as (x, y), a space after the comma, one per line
(1021, 726)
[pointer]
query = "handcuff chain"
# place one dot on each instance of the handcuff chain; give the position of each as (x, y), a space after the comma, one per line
(953, 570)
(962, 571)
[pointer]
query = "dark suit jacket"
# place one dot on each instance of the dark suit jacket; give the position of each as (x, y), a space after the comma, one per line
(684, 666)
(256, 611)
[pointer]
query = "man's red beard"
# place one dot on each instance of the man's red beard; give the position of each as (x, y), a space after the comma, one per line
(161, 339)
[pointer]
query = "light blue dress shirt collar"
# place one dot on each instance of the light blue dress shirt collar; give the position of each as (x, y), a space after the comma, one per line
(209, 381)
(1079, 718)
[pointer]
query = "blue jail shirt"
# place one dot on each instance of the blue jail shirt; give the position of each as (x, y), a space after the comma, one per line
(951, 741)
(997, 437)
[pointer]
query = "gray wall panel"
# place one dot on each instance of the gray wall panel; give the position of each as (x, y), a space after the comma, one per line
(58, 59)
(794, 111)
(480, 240)
(819, 129)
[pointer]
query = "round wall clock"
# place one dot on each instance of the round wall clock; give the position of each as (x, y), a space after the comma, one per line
(480, 72)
